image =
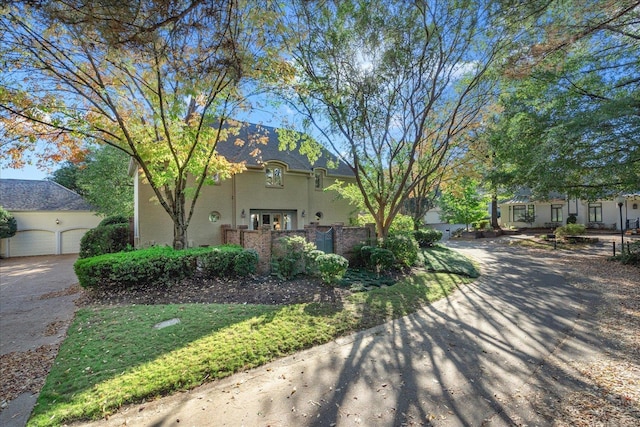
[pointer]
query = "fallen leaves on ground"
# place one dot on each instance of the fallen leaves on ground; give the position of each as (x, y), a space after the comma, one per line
(610, 394)
(22, 372)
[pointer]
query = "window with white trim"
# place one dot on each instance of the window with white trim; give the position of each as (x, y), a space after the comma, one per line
(273, 176)
(595, 212)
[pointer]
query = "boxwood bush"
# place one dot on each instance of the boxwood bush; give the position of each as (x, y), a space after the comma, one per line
(245, 262)
(161, 265)
(218, 261)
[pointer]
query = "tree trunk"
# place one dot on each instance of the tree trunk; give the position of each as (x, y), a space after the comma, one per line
(494, 212)
(179, 218)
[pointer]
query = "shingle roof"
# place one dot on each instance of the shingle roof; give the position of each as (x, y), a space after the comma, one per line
(524, 196)
(30, 195)
(265, 139)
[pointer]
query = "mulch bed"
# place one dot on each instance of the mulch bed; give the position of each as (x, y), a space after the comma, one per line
(253, 290)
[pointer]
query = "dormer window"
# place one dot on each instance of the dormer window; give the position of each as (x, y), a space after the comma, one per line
(318, 180)
(273, 175)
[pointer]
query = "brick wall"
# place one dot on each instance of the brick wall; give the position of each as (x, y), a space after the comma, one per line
(262, 240)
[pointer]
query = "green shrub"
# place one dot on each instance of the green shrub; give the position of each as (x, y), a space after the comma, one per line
(404, 247)
(331, 267)
(374, 258)
(245, 262)
(630, 254)
(570, 230)
(427, 237)
(158, 265)
(483, 224)
(572, 219)
(219, 261)
(114, 219)
(381, 260)
(311, 262)
(8, 224)
(105, 239)
(289, 256)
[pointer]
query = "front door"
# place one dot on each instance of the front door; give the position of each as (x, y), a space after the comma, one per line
(275, 219)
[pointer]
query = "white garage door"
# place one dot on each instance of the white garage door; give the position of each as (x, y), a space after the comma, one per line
(32, 242)
(71, 240)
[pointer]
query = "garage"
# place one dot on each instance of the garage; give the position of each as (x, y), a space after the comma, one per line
(51, 219)
(70, 240)
(32, 242)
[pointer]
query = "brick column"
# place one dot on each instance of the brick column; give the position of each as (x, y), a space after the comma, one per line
(338, 238)
(223, 232)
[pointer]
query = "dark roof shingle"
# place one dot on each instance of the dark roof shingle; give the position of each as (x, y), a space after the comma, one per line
(30, 195)
(265, 140)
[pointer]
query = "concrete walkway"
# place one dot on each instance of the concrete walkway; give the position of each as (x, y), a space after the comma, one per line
(479, 357)
(35, 310)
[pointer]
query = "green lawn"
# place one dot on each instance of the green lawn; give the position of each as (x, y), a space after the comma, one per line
(442, 259)
(113, 356)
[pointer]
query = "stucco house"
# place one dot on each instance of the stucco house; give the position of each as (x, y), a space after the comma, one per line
(279, 189)
(552, 213)
(51, 219)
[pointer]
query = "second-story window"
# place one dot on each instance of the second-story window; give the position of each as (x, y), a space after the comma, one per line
(318, 180)
(274, 176)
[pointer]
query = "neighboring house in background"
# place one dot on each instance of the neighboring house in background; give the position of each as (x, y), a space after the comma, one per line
(279, 189)
(598, 214)
(51, 218)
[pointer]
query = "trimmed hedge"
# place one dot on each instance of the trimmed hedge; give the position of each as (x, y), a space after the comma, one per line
(161, 265)
(114, 219)
(105, 239)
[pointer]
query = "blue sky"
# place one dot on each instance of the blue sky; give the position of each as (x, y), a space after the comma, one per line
(28, 172)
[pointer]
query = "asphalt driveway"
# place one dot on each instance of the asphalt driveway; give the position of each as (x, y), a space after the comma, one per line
(479, 357)
(36, 307)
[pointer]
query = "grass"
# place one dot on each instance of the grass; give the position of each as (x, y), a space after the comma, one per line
(442, 259)
(113, 356)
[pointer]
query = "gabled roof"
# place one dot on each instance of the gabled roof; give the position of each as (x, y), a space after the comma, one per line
(242, 147)
(30, 195)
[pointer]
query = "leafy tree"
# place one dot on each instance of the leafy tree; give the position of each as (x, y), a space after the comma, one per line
(105, 182)
(463, 204)
(158, 83)
(571, 102)
(392, 87)
(8, 224)
(67, 176)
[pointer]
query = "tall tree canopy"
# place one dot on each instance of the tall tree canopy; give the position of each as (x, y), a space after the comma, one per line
(571, 119)
(155, 79)
(102, 179)
(393, 86)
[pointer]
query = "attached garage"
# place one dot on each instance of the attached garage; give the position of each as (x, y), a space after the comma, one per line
(70, 240)
(32, 242)
(51, 218)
